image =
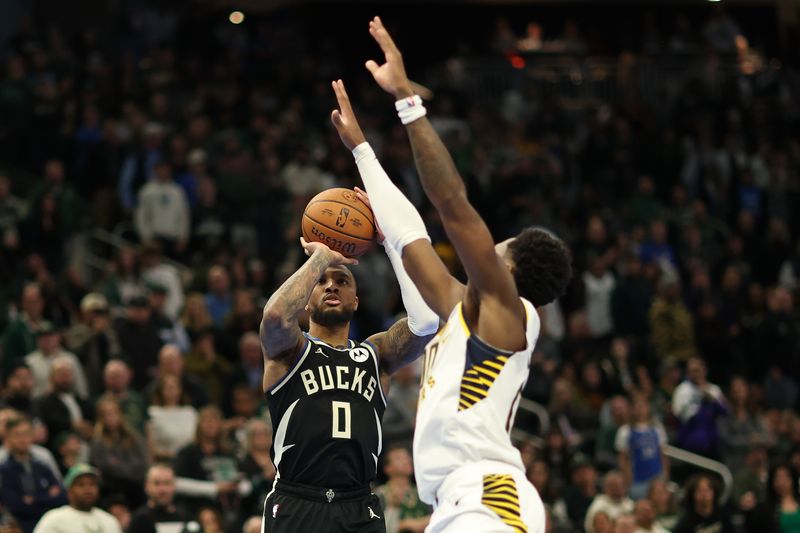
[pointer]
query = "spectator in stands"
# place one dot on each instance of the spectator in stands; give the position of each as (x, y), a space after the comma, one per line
(219, 299)
(20, 336)
(28, 486)
(249, 370)
(119, 452)
(640, 445)
(70, 450)
(601, 523)
(157, 272)
(243, 317)
(781, 511)
(646, 518)
(664, 504)
(170, 362)
(206, 366)
(612, 502)
(65, 198)
(18, 391)
(742, 428)
(580, 494)
(123, 281)
(117, 379)
(195, 316)
(40, 453)
(80, 515)
(257, 465)
(61, 410)
(605, 446)
(698, 405)
(575, 422)
(162, 212)
(701, 507)
(12, 211)
(94, 340)
(171, 419)
(40, 361)
(206, 473)
(210, 520)
(170, 332)
(160, 512)
(631, 301)
(119, 509)
(402, 508)
(750, 480)
(139, 341)
(244, 406)
(671, 322)
(599, 283)
(401, 408)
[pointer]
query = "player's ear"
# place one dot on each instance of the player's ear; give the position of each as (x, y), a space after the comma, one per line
(356, 308)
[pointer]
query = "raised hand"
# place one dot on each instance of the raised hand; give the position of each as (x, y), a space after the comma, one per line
(344, 120)
(335, 258)
(391, 76)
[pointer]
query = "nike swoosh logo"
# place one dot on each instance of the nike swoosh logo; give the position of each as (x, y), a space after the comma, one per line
(319, 351)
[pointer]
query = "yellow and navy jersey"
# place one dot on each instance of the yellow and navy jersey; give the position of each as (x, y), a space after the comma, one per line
(469, 395)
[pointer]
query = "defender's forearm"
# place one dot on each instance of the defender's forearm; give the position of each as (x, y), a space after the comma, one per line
(436, 168)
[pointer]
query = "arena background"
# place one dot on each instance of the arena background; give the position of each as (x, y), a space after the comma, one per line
(659, 139)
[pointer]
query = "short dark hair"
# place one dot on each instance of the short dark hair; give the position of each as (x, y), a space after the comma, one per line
(542, 266)
(17, 421)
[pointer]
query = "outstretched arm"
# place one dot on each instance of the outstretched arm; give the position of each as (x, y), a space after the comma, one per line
(492, 301)
(280, 335)
(401, 223)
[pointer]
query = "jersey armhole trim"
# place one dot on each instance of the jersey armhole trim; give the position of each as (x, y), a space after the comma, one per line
(462, 320)
(275, 388)
(374, 353)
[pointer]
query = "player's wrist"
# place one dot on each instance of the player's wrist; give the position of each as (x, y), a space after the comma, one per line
(410, 109)
(403, 90)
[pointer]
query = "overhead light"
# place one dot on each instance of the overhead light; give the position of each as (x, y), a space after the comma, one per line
(236, 17)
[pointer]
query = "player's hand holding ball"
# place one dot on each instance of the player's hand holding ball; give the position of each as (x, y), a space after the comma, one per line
(335, 257)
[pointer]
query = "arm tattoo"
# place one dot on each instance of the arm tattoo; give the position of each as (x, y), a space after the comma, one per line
(398, 346)
(279, 329)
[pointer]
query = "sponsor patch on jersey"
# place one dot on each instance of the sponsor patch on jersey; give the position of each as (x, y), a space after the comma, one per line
(275, 509)
(359, 355)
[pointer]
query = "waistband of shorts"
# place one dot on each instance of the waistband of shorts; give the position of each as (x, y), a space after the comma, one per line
(472, 471)
(321, 494)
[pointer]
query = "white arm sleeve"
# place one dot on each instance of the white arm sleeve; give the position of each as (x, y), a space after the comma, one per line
(421, 320)
(398, 218)
(185, 486)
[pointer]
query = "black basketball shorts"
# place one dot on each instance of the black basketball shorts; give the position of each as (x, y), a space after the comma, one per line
(293, 508)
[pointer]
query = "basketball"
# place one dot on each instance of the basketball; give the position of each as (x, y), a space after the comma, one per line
(337, 218)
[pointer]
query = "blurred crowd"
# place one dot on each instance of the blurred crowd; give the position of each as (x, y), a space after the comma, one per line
(198, 152)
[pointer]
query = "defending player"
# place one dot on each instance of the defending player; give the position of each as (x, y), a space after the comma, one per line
(477, 365)
(326, 395)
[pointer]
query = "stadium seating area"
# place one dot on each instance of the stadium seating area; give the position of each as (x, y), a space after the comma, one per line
(150, 193)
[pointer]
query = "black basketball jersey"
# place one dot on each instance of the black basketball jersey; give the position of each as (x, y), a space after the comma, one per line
(326, 416)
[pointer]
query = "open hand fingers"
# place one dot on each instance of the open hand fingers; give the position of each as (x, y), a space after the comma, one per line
(384, 40)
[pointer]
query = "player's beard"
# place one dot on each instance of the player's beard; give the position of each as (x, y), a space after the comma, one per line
(332, 317)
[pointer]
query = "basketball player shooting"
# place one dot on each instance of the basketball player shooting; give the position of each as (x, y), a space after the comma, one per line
(326, 395)
(476, 366)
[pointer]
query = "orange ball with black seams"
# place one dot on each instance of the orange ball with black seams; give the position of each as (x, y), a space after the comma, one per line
(338, 219)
